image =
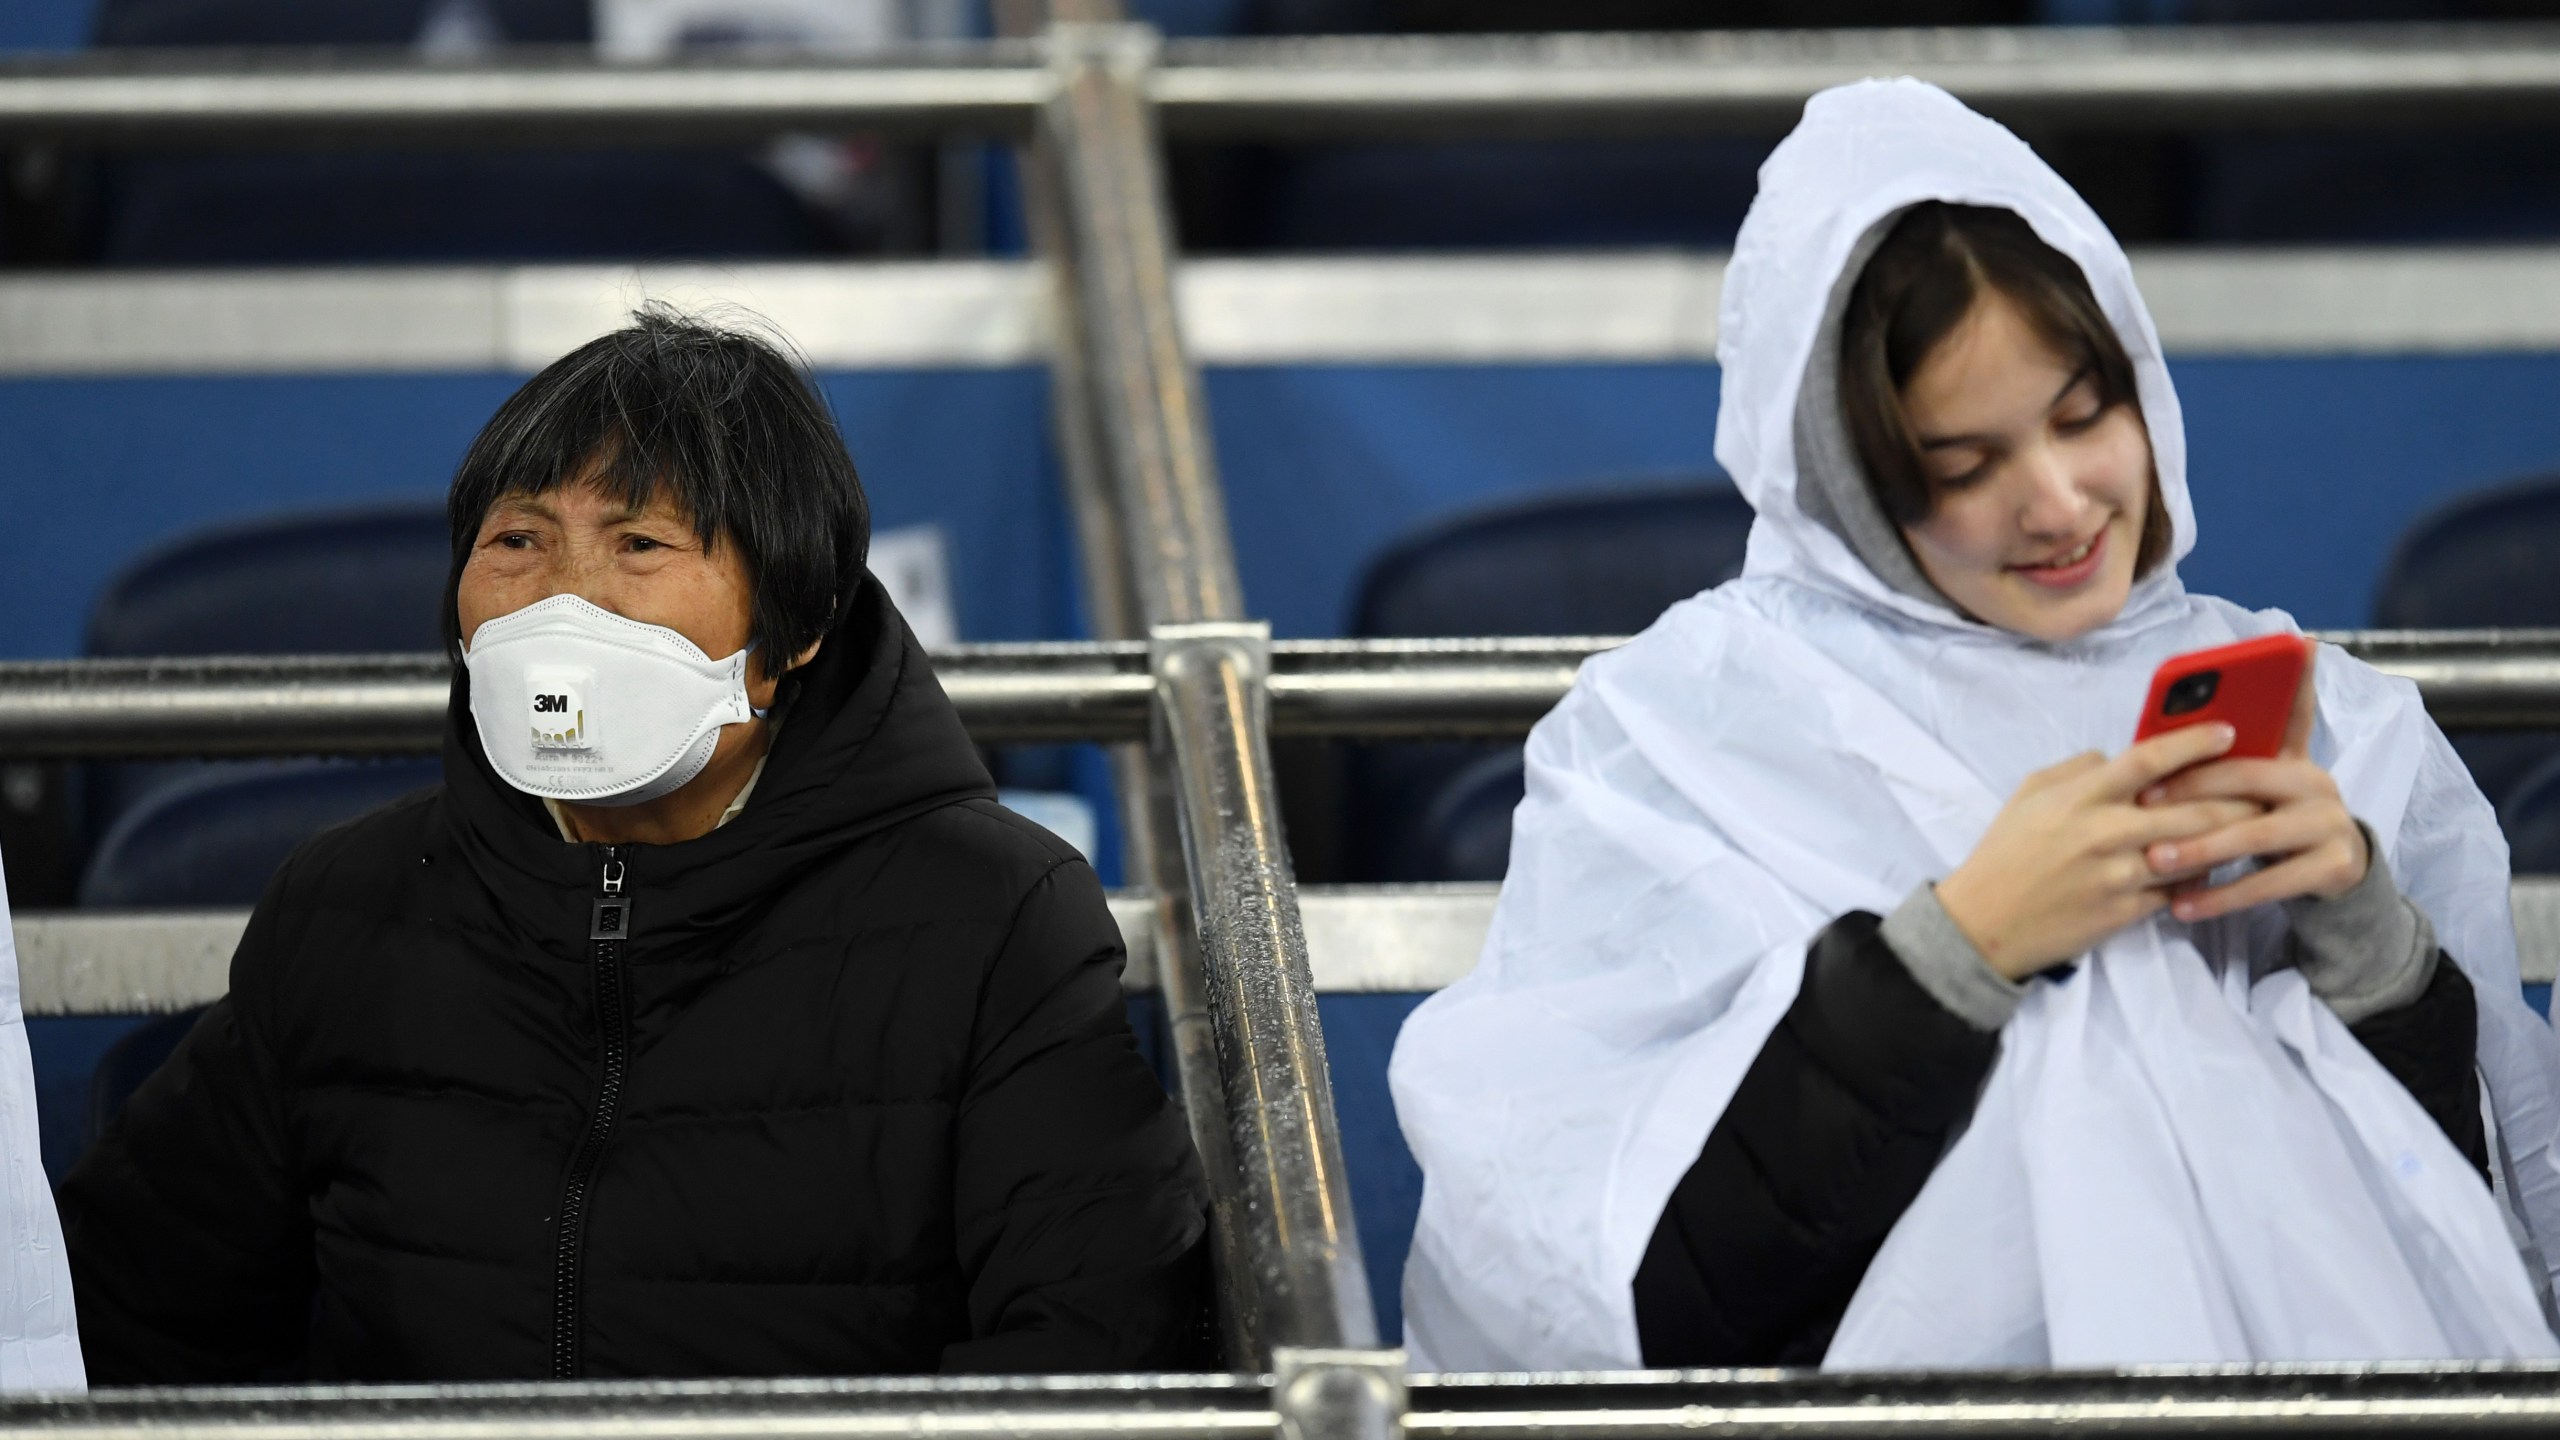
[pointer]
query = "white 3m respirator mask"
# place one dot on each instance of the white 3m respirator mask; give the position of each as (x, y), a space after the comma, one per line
(574, 702)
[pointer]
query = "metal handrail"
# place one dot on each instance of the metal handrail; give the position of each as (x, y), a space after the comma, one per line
(1361, 940)
(1472, 86)
(2297, 1402)
(1034, 693)
(1290, 1262)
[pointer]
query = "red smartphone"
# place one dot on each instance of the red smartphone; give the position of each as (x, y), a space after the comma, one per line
(2248, 686)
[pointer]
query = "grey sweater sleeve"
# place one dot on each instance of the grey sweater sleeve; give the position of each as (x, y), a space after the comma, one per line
(2368, 951)
(1924, 937)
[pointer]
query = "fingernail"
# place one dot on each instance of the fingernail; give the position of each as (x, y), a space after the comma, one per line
(2184, 909)
(2225, 733)
(2165, 855)
(2155, 794)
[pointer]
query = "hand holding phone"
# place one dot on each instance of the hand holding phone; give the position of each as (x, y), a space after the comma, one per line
(2255, 687)
(2307, 842)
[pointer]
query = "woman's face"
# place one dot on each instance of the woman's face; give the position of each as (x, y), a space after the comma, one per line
(646, 564)
(2041, 492)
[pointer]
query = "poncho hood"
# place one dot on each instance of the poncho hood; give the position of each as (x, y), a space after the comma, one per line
(1863, 155)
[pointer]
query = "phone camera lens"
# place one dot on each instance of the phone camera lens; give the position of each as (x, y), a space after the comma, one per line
(2192, 692)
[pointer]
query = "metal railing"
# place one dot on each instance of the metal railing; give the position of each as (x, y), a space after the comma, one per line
(1036, 693)
(1294, 1293)
(1360, 940)
(1318, 88)
(2298, 1402)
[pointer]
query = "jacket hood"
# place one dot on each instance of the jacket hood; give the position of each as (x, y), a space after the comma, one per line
(867, 739)
(1863, 154)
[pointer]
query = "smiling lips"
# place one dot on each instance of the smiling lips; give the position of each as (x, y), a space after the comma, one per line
(2071, 569)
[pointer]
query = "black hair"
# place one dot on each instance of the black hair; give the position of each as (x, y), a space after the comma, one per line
(1917, 288)
(726, 422)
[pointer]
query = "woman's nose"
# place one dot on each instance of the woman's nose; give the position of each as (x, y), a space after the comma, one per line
(2051, 503)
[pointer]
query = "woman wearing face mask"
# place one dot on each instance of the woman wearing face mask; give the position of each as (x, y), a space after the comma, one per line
(1859, 996)
(710, 1019)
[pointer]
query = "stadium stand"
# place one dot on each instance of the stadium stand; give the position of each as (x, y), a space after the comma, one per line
(1327, 453)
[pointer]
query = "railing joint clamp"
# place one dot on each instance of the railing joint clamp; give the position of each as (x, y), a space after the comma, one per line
(1126, 48)
(1246, 644)
(1346, 1394)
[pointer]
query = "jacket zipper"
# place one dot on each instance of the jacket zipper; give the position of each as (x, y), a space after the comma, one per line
(608, 926)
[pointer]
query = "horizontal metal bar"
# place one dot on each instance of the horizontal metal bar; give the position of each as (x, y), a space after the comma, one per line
(2117, 79)
(1322, 88)
(451, 319)
(1361, 940)
(2292, 1400)
(1031, 693)
(303, 98)
(1642, 307)
(1160, 1407)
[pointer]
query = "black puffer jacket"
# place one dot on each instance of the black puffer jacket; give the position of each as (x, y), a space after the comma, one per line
(1843, 1116)
(857, 1095)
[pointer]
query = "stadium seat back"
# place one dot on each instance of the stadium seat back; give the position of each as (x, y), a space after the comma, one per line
(340, 582)
(2483, 560)
(355, 581)
(1575, 564)
(214, 838)
(1593, 563)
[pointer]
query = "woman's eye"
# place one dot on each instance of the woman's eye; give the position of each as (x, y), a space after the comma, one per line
(2079, 409)
(643, 543)
(515, 540)
(1955, 479)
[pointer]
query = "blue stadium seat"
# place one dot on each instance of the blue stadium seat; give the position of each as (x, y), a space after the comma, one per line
(305, 583)
(2482, 560)
(1589, 562)
(213, 839)
(1608, 562)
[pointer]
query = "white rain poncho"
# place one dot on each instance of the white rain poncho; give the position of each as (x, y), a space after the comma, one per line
(39, 1337)
(2171, 1160)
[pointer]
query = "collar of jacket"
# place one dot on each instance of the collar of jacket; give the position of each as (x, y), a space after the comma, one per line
(872, 741)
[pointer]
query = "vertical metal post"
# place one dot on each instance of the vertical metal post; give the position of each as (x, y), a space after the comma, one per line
(1298, 1278)
(1151, 848)
(1150, 825)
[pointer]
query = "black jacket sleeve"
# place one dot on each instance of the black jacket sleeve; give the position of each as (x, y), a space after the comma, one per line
(1080, 1209)
(1833, 1131)
(2431, 1046)
(189, 1237)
